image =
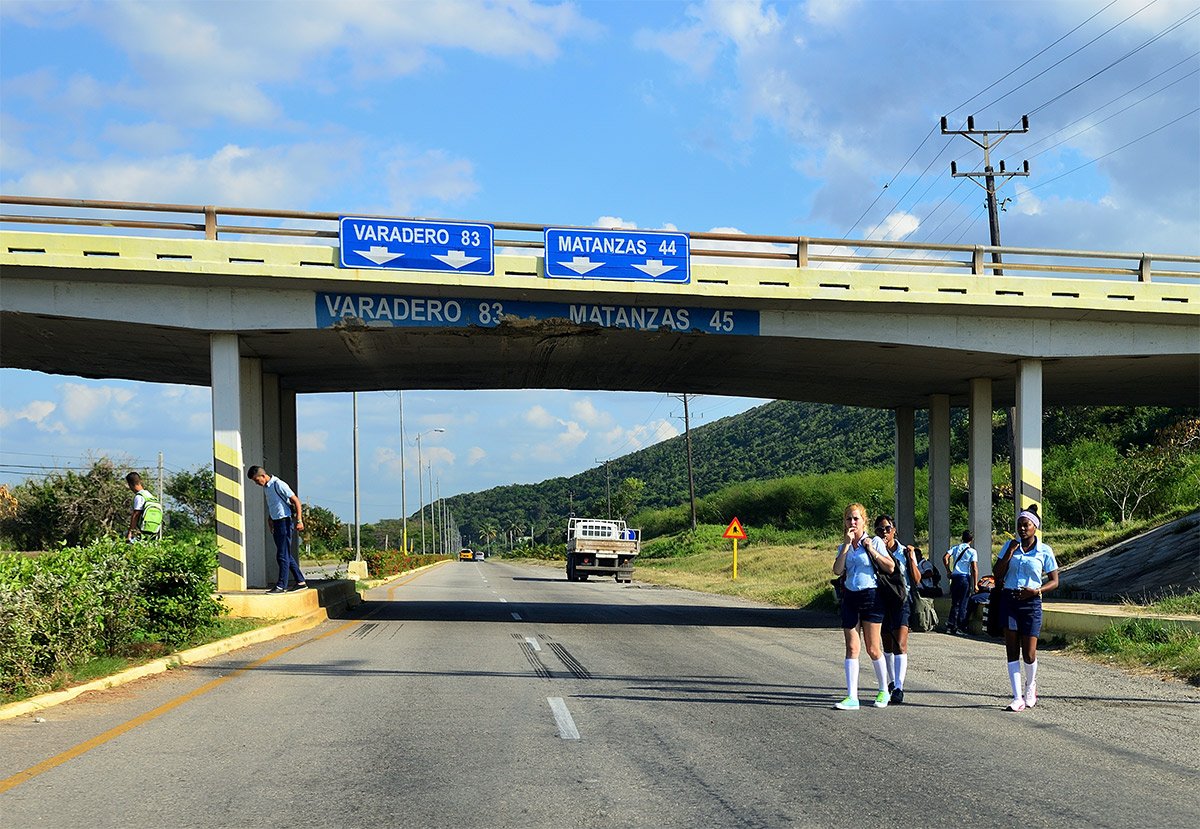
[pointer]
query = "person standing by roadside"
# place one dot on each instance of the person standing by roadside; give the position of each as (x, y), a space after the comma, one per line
(1027, 569)
(282, 504)
(857, 558)
(896, 614)
(962, 563)
(145, 517)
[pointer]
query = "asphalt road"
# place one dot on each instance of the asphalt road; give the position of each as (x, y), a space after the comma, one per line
(490, 695)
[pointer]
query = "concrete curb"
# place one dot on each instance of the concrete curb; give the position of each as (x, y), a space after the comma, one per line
(373, 583)
(190, 656)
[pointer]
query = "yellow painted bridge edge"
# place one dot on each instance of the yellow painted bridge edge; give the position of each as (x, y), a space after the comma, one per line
(177, 260)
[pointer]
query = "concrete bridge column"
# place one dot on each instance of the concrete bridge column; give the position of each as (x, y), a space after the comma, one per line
(228, 464)
(939, 476)
(980, 470)
(1029, 435)
(272, 460)
(905, 514)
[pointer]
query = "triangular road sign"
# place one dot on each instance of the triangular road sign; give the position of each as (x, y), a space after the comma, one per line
(734, 530)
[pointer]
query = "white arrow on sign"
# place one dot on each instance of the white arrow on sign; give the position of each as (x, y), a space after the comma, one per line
(456, 258)
(581, 265)
(378, 254)
(654, 268)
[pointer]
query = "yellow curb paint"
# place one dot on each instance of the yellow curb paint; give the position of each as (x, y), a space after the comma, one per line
(100, 739)
(188, 657)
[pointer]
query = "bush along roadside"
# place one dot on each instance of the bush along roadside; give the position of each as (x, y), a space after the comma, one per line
(384, 563)
(62, 609)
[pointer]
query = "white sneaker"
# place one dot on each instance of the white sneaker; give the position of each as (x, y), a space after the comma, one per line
(1016, 705)
(1031, 695)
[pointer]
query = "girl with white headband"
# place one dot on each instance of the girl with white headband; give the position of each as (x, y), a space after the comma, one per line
(1026, 569)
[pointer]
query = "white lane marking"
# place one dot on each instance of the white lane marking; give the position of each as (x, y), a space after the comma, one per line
(504, 600)
(562, 718)
(516, 616)
(533, 643)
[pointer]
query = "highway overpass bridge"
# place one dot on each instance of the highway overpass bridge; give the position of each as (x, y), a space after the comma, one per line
(212, 296)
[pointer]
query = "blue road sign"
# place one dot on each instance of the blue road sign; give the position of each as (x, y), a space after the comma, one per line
(631, 255)
(416, 245)
(392, 311)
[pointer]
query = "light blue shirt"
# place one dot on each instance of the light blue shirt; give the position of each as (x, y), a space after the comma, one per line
(961, 556)
(279, 496)
(860, 574)
(1028, 569)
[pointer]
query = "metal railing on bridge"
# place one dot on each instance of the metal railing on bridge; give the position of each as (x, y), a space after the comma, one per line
(213, 222)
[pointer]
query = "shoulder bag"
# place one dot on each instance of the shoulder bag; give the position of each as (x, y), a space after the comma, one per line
(891, 585)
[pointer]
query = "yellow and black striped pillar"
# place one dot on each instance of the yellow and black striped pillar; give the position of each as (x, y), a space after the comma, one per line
(231, 544)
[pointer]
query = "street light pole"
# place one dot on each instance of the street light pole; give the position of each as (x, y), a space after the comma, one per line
(403, 475)
(420, 486)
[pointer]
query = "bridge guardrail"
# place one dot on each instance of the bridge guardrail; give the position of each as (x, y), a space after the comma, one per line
(781, 251)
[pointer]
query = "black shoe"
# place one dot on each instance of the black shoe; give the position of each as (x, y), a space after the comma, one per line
(301, 586)
(891, 687)
(276, 590)
(898, 696)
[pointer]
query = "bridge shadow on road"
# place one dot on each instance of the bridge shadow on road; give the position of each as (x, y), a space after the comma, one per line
(596, 613)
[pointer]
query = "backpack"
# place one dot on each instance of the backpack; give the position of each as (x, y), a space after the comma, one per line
(152, 514)
(923, 617)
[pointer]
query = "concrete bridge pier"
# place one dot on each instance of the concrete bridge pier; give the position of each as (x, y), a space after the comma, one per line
(979, 469)
(1029, 435)
(254, 422)
(939, 475)
(905, 512)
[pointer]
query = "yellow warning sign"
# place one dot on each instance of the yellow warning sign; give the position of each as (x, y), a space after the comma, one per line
(735, 531)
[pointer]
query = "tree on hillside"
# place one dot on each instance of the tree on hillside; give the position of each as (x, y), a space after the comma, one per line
(627, 497)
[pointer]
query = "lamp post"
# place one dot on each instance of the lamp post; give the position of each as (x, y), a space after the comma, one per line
(403, 475)
(420, 488)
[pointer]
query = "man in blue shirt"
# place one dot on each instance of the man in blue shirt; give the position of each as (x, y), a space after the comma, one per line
(961, 562)
(282, 503)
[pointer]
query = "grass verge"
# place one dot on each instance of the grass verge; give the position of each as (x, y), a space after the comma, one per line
(103, 666)
(1147, 645)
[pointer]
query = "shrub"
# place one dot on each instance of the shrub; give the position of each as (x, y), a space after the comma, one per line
(389, 562)
(110, 598)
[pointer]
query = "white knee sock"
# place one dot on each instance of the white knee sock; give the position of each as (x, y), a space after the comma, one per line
(891, 669)
(852, 678)
(901, 669)
(1030, 674)
(1014, 677)
(880, 672)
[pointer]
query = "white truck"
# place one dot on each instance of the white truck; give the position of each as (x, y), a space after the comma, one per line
(602, 547)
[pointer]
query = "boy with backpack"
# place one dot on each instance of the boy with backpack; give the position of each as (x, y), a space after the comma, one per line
(145, 518)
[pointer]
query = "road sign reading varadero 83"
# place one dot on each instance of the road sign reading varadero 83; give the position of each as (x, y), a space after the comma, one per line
(637, 255)
(417, 245)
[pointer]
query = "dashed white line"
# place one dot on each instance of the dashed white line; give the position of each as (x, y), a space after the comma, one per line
(533, 643)
(504, 600)
(516, 616)
(562, 718)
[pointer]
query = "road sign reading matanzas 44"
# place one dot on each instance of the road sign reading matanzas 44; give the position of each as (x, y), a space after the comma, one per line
(639, 255)
(416, 245)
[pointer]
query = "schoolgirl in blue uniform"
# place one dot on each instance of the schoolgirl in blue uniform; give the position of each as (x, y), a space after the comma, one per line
(861, 604)
(895, 615)
(1027, 569)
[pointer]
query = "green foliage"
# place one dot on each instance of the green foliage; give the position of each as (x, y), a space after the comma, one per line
(195, 492)
(1179, 604)
(322, 528)
(628, 496)
(383, 563)
(68, 508)
(1149, 643)
(110, 598)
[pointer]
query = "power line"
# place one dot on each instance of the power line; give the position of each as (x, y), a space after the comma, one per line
(1117, 150)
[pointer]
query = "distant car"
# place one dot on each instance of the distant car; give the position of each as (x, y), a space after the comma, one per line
(479, 555)
(466, 555)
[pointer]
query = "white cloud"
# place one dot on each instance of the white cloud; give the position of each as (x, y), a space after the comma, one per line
(82, 403)
(620, 439)
(896, 226)
(829, 12)
(585, 410)
(565, 441)
(615, 223)
(539, 418)
(312, 441)
(35, 412)
(475, 454)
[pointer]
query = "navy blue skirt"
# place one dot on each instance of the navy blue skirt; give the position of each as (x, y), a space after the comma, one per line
(1024, 615)
(861, 606)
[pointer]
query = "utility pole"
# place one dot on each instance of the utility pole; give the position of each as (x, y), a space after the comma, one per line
(403, 475)
(607, 487)
(987, 173)
(160, 492)
(687, 439)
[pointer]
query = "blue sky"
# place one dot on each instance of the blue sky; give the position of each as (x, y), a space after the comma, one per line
(759, 117)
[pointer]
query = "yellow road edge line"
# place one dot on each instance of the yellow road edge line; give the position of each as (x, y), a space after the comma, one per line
(100, 739)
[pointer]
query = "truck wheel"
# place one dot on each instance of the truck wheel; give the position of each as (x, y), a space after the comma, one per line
(570, 570)
(582, 576)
